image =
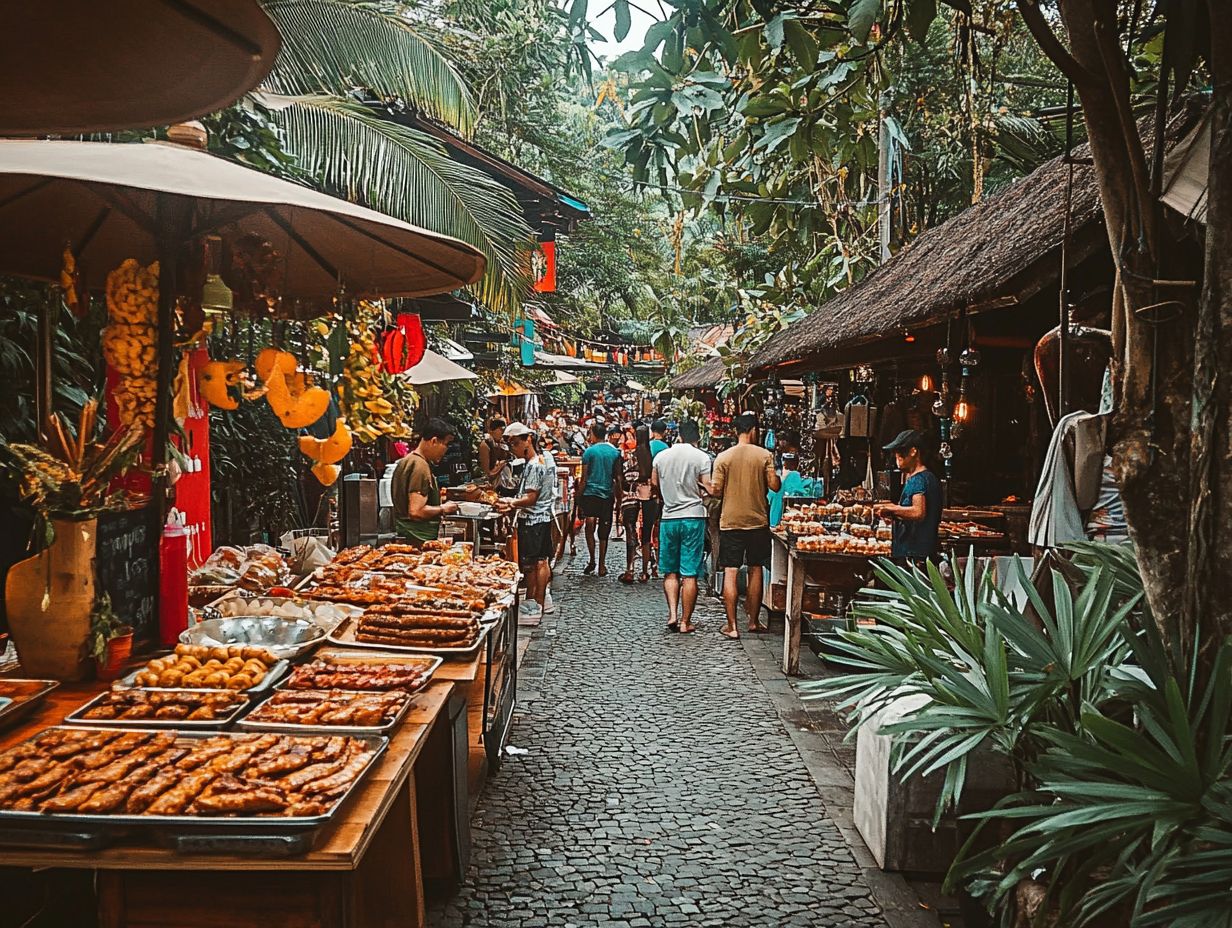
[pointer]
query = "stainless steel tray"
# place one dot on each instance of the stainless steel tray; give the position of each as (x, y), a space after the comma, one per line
(352, 656)
(253, 824)
(276, 673)
(283, 637)
(234, 604)
(25, 695)
(344, 635)
(290, 728)
(211, 725)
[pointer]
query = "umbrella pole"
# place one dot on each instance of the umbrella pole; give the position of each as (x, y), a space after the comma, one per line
(171, 218)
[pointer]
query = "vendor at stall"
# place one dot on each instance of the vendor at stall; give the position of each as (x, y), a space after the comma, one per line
(918, 513)
(416, 494)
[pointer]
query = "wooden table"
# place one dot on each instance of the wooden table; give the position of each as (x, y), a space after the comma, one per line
(488, 683)
(836, 573)
(366, 869)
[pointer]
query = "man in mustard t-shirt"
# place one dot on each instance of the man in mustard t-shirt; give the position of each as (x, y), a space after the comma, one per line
(743, 475)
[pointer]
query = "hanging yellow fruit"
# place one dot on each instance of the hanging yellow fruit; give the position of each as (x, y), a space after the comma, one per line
(270, 359)
(295, 412)
(326, 473)
(215, 379)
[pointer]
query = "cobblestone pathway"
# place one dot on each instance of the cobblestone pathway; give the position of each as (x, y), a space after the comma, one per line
(659, 787)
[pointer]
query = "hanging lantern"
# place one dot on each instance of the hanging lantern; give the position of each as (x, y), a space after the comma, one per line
(403, 345)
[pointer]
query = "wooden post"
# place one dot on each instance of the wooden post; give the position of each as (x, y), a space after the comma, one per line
(792, 620)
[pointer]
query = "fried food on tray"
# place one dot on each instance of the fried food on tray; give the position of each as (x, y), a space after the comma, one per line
(235, 667)
(331, 707)
(329, 675)
(166, 773)
(137, 704)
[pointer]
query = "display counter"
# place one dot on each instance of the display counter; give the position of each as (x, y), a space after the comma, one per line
(366, 867)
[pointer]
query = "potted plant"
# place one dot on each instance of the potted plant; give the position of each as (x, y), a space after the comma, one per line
(49, 597)
(111, 641)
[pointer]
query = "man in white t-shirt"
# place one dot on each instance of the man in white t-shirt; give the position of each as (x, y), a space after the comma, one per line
(680, 475)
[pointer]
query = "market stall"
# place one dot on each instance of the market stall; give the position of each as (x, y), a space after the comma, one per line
(295, 749)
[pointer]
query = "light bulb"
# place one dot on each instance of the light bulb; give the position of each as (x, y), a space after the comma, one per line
(962, 411)
(926, 384)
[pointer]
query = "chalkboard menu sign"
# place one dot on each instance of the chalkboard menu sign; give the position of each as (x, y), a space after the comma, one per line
(125, 566)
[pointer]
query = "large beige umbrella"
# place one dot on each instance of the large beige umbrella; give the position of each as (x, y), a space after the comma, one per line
(113, 202)
(71, 67)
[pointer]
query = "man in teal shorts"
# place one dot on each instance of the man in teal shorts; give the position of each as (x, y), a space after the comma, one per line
(680, 475)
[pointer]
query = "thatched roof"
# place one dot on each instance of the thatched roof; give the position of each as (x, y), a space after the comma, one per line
(997, 253)
(702, 377)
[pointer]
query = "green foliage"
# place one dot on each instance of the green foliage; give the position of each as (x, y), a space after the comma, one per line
(104, 625)
(1123, 760)
(74, 377)
(769, 114)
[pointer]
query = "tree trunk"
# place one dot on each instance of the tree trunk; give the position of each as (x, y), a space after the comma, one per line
(1151, 365)
(1209, 581)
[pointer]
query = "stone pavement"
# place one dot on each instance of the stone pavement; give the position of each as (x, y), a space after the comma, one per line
(659, 785)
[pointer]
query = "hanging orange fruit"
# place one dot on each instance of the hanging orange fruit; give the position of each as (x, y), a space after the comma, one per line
(326, 473)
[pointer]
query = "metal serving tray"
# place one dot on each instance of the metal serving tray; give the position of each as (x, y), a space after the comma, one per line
(24, 695)
(284, 638)
(276, 673)
(235, 605)
(256, 825)
(351, 656)
(76, 717)
(290, 728)
(344, 635)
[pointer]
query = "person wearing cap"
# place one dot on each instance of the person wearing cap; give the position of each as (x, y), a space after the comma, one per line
(918, 513)
(535, 495)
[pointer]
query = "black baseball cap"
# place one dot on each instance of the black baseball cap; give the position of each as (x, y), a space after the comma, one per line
(907, 438)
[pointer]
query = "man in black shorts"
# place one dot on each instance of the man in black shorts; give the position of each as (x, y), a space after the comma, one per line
(599, 463)
(743, 475)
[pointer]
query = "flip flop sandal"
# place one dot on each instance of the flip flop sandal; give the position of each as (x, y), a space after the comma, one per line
(732, 636)
(589, 568)
(626, 577)
(644, 578)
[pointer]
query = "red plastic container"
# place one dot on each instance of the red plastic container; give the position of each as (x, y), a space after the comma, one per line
(172, 585)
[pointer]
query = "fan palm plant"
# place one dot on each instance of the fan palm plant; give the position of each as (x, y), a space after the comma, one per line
(346, 69)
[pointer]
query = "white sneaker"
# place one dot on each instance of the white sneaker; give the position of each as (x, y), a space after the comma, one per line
(530, 610)
(548, 606)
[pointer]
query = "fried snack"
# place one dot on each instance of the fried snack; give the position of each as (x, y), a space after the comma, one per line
(327, 675)
(136, 704)
(177, 799)
(170, 774)
(316, 707)
(234, 667)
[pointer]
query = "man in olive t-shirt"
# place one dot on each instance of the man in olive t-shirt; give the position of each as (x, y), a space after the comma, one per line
(416, 495)
(743, 475)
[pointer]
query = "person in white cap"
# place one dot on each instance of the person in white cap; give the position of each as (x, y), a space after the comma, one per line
(534, 501)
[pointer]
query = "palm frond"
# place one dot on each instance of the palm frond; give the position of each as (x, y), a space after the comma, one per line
(405, 173)
(339, 46)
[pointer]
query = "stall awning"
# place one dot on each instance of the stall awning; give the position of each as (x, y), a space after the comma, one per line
(435, 368)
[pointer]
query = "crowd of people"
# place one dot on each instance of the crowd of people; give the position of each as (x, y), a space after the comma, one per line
(650, 484)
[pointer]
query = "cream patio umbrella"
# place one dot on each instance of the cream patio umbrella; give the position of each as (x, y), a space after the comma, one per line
(72, 67)
(149, 201)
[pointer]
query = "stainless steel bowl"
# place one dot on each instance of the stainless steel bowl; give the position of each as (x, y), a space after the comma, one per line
(284, 638)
